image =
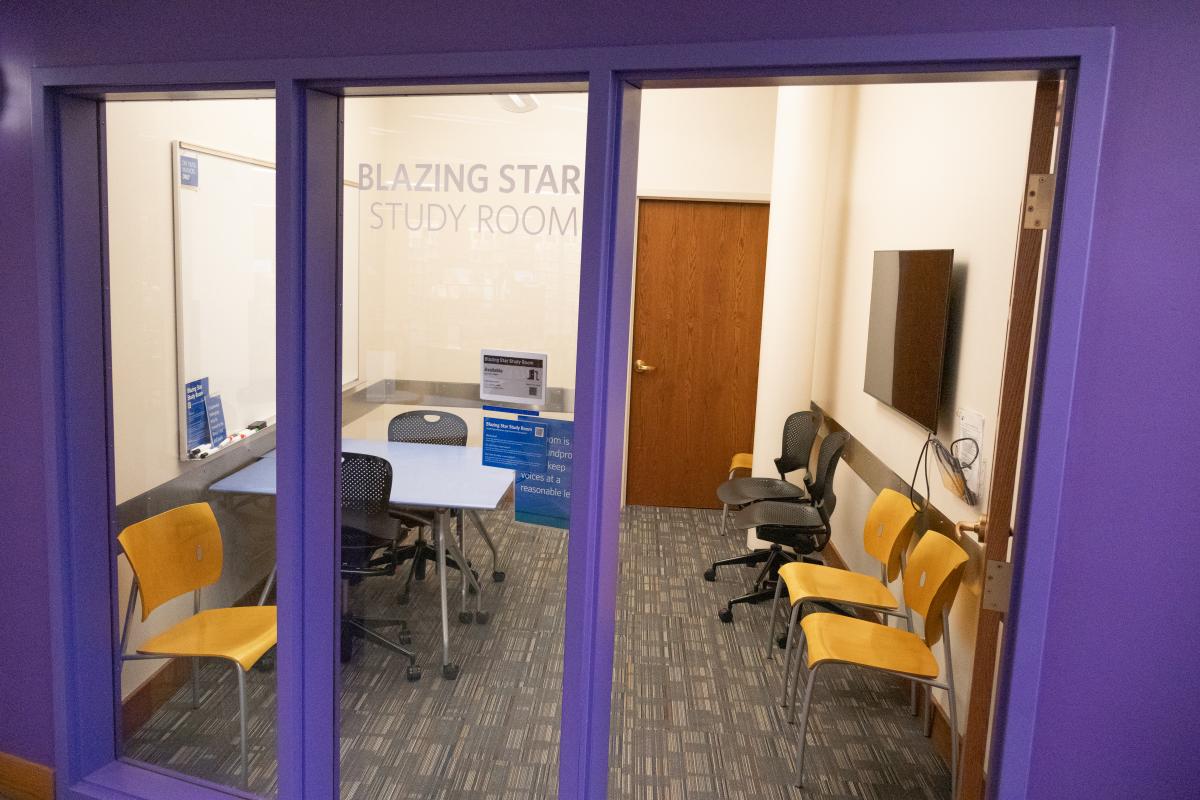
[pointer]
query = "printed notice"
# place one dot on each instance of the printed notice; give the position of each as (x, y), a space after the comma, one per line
(543, 496)
(514, 444)
(509, 376)
(189, 171)
(216, 420)
(195, 395)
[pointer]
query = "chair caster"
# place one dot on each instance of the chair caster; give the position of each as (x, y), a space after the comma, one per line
(465, 617)
(710, 574)
(725, 615)
(782, 642)
(482, 617)
(413, 673)
(471, 589)
(450, 671)
(497, 577)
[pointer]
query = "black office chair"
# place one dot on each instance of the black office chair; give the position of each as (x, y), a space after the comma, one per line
(370, 548)
(426, 426)
(799, 433)
(804, 527)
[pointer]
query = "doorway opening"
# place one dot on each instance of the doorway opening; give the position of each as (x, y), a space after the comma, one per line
(859, 184)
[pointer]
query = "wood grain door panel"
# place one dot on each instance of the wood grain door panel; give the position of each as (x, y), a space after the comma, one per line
(697, 321)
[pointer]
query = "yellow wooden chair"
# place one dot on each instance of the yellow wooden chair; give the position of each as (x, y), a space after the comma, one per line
(740, 461)
(886, 535)
(931, 581)
(177, 552)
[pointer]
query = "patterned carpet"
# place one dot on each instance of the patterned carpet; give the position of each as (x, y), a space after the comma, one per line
(692, 718)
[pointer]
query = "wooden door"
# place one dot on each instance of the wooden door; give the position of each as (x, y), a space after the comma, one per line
(1010, 425)
(696, 323)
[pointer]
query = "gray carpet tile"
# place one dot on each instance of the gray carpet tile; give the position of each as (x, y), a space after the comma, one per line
(694, 712)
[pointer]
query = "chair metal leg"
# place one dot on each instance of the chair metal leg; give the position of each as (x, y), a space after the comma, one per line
(789, 653)
(808, 691)
(927, 720)
(268, 586)
(953, 710)
(771, 625)
(801, 655)
(241, 676)
(725, 508)
(195, 683)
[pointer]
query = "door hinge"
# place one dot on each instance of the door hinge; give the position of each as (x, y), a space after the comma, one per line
(1039, 202)
(997, 585)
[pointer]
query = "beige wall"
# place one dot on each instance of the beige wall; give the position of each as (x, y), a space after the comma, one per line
(706, 144)
(929, 166)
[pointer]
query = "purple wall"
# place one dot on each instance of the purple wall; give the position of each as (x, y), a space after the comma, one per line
(1118, 714)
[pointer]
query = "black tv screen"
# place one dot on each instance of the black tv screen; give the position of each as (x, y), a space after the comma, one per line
(906, 340)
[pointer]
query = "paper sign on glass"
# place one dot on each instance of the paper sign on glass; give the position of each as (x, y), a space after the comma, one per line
(509, 376)
(196, 397)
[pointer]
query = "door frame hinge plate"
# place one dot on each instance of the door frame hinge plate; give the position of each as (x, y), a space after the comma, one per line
(997, 585)
(1039, 202)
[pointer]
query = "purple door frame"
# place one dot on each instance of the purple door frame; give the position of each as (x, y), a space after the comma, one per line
(71, 236)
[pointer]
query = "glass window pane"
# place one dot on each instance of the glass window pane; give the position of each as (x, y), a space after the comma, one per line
(462, 219)
(191, 225)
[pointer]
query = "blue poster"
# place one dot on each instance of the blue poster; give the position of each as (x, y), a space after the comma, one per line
(543, 496)
(514, 444)
(195, 395)
(189, 171)
(216, 420)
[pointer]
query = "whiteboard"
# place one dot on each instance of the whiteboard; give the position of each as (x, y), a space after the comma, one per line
(225, 283)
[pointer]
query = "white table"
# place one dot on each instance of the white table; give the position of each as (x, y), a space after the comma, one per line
(438, 477)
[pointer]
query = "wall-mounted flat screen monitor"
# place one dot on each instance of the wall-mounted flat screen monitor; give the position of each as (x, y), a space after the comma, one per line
(906, 339)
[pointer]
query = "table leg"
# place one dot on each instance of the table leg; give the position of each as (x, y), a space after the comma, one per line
(464, 616)
(449, 671)
(497, 573)
(480, 615)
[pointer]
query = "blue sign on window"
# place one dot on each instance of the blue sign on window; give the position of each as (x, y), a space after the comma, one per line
(216, 420)
(543, 496)
(514, 444)
(195, 395)
(189, 171)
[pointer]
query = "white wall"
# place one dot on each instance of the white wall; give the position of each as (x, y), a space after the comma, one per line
(928, 166)
(706, 144)
(432, 297)
(142, 286)
(142, 266)
(804, 135)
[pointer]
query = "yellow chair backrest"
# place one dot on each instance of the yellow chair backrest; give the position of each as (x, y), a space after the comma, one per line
(888, 529)
(173, 553)
(931, 580)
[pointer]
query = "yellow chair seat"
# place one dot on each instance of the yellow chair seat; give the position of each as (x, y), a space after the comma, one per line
(849, 640)
(818, 582)
(240, 634)
(742, 461)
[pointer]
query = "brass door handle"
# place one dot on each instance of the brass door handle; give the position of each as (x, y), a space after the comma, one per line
(979, 527)
(642, 366)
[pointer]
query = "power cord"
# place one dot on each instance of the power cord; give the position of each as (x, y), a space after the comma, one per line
(948, 457)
